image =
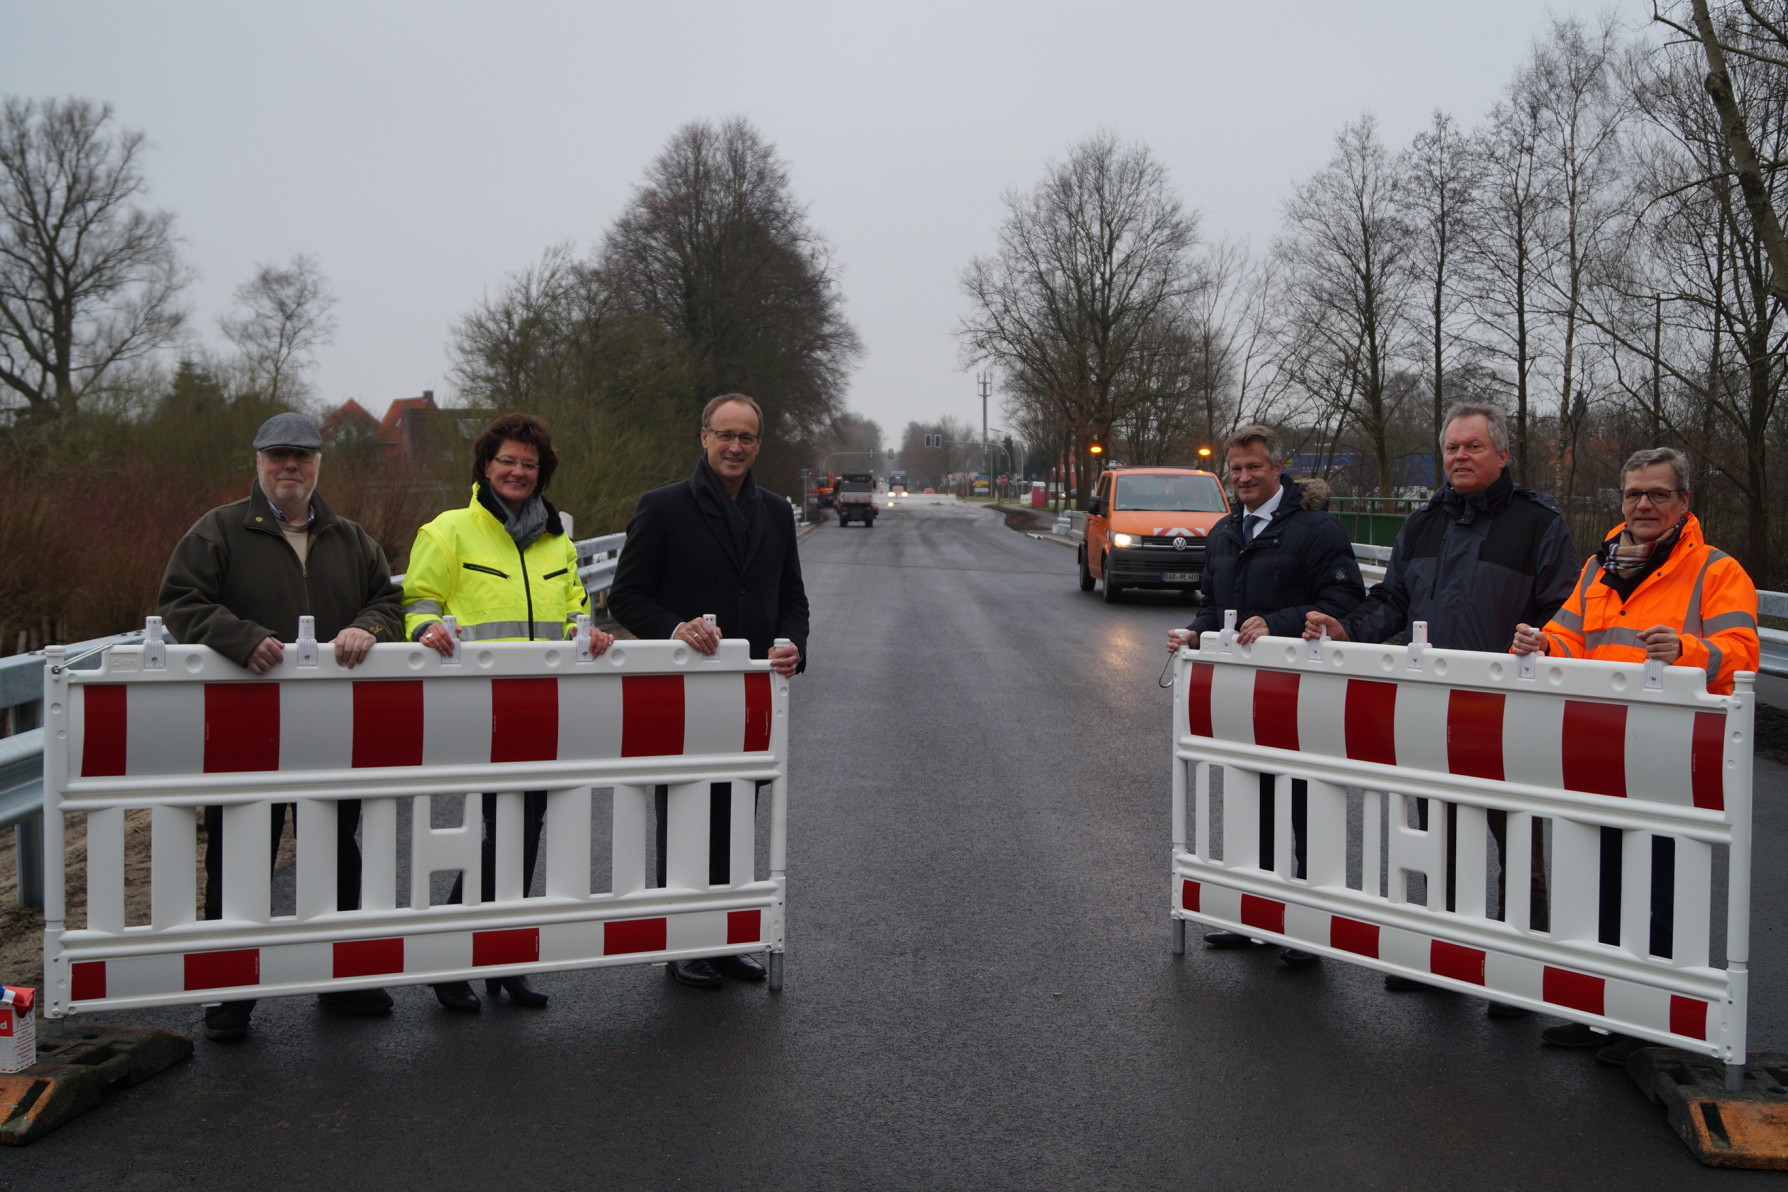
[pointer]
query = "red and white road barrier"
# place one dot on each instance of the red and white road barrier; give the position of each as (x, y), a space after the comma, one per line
(169, 729)
(1563, 747)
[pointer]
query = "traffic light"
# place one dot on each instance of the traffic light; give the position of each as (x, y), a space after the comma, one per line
(890, 453)
(934, 440)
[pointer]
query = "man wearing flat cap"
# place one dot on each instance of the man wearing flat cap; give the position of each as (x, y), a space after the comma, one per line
(238, 582)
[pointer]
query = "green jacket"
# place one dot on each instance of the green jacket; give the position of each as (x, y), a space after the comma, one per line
(233, 581)
(465, 564)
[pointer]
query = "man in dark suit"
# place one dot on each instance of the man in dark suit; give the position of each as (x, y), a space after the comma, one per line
(715, 544)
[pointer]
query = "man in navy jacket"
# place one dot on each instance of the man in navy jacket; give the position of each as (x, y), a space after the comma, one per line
(1279, 557)
(715, 543)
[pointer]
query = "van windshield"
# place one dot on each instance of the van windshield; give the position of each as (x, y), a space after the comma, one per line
(1169, 494)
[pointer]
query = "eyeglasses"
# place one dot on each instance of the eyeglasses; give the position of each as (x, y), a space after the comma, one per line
(1657, 496)
(526, 465)
(729, 437)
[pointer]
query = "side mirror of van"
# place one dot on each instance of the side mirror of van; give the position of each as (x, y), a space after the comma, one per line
(1095, 506)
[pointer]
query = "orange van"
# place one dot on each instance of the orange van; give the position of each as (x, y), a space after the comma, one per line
(1145, 528)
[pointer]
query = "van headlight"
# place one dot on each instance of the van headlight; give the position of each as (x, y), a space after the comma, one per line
(1125, 540)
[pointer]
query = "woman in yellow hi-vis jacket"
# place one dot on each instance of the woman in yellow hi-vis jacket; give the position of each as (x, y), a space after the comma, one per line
(506, 569)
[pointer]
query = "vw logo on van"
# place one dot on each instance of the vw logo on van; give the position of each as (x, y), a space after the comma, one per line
(1179, 542)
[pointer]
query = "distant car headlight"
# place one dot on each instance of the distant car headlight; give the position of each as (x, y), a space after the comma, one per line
(1125, 540)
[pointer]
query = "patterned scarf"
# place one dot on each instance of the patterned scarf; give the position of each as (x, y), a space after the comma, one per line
(1623, 557)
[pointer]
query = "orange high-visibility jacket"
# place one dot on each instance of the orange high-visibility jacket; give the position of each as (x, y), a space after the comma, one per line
(1700, 592)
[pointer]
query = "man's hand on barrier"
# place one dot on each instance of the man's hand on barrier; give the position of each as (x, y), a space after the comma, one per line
(1315, 623)
(1661, 643)
(437, 638)
(599, 641)
(351, 646)
(267, 655)
(784, 659)
(1252, 629)
(699, 634)
(1177, 638)
(1529, 640)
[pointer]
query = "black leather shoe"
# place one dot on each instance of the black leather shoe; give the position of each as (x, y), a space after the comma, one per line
(1228, 939)
(739, 968)
(518, 989)
(697, 973)
(1297, 958)
(458, 995)
(369, 1003)
(228, 1023)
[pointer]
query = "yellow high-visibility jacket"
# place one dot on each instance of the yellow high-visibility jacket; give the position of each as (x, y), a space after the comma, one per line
(1700, 592)
(464, 564)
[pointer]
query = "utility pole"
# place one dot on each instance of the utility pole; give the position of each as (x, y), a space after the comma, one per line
(986, 380)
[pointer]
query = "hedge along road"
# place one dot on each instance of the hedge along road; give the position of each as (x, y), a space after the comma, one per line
(980, 988)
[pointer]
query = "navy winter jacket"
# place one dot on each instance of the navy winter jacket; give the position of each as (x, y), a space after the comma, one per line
(1299, 561)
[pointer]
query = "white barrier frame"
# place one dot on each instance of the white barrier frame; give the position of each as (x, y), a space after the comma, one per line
(457, 713)
(1520, 964)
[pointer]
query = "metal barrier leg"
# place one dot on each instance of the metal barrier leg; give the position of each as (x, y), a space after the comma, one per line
(775, 970)
(27, 838)
(1735, 1078)
(1179, 937)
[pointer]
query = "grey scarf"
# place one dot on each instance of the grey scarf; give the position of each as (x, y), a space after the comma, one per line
(527, 525)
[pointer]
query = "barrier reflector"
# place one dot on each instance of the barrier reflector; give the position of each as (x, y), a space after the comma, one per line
(1371, 721)
(1189, 895)
(1688, 1017)
(1264, 913)
(1595, 748)
(744, 927)
(634, 935)
(524, 720)
(217, 970)
(88, 981)
(1707, 762)
(1276, 710)
(1198, 706)
(651, 715)
(1456, 961)
(517, 946)
(367, 958)
(106, 730)
(1474, 734)
(1351, 935)
(1579, 991)
(759, 713)
(387, 723)
(241, 727)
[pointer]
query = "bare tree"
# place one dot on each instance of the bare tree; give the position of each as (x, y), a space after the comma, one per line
(89, 278)
(715, 248)
(511, 351)
(1346, 253)
(285, 316)
(1089, 263)
(1440, 178)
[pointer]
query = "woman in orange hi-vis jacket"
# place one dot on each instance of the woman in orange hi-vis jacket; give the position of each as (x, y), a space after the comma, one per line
(1655, 590)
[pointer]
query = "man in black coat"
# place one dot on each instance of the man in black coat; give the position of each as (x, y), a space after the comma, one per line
(715, 544)
(1280, 556)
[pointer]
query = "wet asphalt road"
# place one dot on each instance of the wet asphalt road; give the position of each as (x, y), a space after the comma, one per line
(980, 990)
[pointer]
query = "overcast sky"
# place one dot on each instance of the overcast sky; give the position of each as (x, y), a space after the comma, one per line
(423, 151)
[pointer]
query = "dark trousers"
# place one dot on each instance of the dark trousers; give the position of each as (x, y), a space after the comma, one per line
(1300, 818)
(720, 835)
(1662, 934)
(533, 817)
(347, 853)
(1539, 900)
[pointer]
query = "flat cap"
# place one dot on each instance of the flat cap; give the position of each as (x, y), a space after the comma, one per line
(288, 430)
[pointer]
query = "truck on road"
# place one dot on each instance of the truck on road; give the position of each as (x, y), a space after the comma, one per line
(855, 498)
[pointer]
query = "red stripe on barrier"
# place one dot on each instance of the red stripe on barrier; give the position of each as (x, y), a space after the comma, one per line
(387, 723)
(1198, 699)
(1578, 991)
(87, 980)
(1268, 914)
(1189, 895)
(105, 730)
(215, 970)
(1595, 748)
(1456, 961)
(241, 727)
(1688, 1017)
(651, 715)
(744, 927)
(368, 958)
(759, 709)
(1371, 721)
(520, 945)
(1707, 761)
(1276, 709)
(1474, 734)
(524, 720)
(622, 936)
(1351, 935)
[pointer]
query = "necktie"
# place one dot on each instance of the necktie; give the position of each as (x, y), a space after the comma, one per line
(1251, 526)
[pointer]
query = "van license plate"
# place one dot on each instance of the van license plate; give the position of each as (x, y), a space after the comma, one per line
(1179, 577)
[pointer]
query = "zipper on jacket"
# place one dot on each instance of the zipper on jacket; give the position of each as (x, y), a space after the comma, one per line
(492, 570)
(527, 588)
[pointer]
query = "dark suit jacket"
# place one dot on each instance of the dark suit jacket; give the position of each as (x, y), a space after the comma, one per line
(681, 560)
